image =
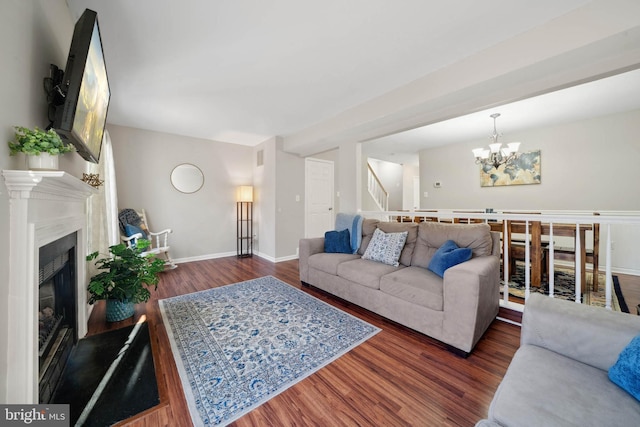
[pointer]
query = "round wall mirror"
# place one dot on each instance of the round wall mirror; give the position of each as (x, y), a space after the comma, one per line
(187, 178)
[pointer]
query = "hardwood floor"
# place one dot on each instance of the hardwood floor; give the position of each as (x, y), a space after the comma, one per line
(398, 377)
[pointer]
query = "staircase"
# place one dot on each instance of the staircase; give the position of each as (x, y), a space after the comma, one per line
(377, 190)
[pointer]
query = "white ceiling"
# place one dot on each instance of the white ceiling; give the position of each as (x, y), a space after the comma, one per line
(602, 97)
(242, 71)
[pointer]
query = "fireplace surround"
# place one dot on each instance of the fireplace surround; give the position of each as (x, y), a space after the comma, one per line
(44, 206)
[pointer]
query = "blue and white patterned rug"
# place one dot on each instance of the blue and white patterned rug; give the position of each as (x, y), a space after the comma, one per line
(239, 345)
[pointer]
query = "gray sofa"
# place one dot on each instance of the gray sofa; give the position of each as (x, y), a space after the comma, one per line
(455, 309)
(558, 376)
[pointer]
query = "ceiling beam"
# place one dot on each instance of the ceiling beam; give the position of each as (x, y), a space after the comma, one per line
(599, 39)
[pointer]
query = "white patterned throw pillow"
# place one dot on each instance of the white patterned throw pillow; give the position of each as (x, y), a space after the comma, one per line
(385, 247)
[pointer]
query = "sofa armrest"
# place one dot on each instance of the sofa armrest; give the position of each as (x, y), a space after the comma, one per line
(471, 299)
(591, 335)
(306, 248)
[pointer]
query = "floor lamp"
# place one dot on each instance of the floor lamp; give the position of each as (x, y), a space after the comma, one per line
(244, 213)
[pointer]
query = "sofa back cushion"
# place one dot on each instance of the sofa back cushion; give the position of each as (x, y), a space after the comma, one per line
(369, 225)
(432, 235)
(412, 236)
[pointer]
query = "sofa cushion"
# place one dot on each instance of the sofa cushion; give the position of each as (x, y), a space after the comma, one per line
(412, 236)
(338, 242)
(432, 235)
(369, 226)
(447, 256)
(365, 272)
(329, 262)
(415, 285)
(386, 247)
(626, 371)
(544, 388)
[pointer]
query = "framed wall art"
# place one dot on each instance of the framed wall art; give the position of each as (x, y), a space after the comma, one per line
(523, 169)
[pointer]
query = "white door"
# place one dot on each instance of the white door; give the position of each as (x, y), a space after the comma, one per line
(319, 197)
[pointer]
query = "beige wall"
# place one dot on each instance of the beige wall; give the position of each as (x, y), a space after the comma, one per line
(290, 203)
(204, 222)
(586, 165)
(33, 34)
(264, 180)
(279, 214)
(589, 165)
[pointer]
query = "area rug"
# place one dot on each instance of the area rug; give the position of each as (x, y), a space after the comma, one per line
(239, 345)
(564, 288)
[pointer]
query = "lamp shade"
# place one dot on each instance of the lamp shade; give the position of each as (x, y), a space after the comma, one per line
(244, 193)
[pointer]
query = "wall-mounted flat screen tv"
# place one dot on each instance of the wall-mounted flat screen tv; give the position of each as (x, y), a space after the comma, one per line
(81, 119)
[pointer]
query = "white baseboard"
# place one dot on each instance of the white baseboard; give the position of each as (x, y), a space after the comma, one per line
(276, 260)
(228, 254)
(287, 258)
(614, 270)
(629, 271)
(203, 257)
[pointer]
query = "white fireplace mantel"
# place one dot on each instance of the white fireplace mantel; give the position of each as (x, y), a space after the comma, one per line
(50, 185)
(43, 207)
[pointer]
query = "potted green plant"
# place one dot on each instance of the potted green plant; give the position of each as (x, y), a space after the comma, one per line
(41, 147)
(125, 280)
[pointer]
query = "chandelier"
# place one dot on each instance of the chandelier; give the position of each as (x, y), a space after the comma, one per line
(496, 155)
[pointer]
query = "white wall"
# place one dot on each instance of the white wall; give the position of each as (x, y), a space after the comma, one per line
(204, 222)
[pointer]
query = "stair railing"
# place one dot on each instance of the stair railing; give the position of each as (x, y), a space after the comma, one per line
(377, 190)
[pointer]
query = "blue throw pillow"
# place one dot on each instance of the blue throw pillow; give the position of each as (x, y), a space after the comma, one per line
(130, 230)
(447, 256)
(337, 242)
(626, 372)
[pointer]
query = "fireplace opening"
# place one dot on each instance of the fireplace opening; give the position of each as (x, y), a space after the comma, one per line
(57, 311)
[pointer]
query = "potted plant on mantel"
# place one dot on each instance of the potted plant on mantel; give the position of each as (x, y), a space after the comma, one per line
(125, 280)
(41, 147)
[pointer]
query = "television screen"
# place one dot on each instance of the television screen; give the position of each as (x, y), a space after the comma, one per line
(81, 119)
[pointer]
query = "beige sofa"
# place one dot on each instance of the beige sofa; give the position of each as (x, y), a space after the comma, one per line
(455, 309)
(558, 376)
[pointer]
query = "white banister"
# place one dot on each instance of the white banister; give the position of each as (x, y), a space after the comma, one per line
(527, 260)
(608, 278)
(377, 190)
(552, 278)
(578, 274)
(505, 255)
